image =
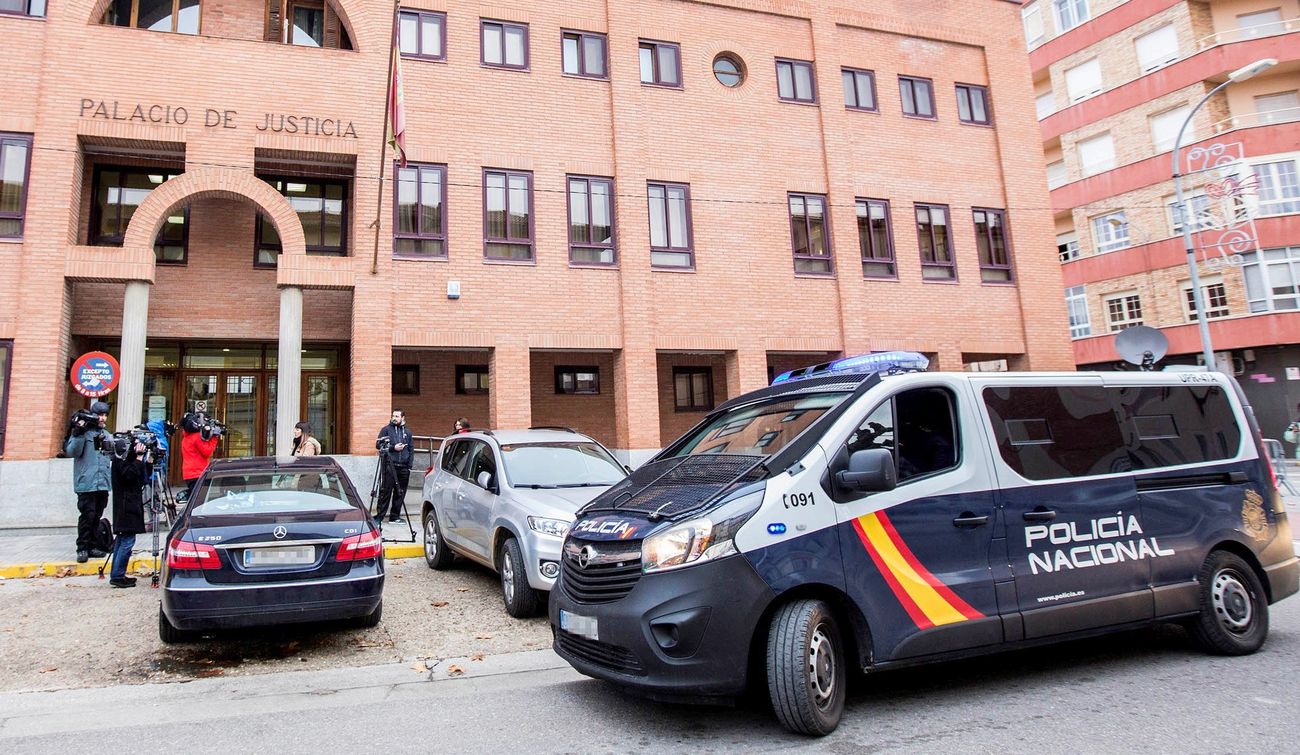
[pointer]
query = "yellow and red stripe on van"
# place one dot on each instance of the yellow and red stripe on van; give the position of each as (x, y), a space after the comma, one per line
(928, 601)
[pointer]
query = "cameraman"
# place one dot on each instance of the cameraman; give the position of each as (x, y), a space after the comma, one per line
(199, 438)
(90, 474)
(394, 444)
(131, 473)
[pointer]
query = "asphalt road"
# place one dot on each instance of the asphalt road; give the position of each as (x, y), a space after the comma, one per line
(1144, 691)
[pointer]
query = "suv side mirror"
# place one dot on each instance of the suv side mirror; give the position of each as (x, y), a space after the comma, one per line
(484, 481)
(627, 468)
(183, 496)
(871, 470)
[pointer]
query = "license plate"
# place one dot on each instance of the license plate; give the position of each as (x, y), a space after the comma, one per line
(299, 556)
(583, 626)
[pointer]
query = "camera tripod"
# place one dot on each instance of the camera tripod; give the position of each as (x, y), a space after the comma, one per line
(382, 467)
(158, 502)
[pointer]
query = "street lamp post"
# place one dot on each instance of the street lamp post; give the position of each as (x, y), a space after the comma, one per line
(1198, 296)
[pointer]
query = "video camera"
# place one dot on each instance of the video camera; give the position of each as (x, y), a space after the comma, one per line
(201, 423)
(83, 420)
(384, 445)
(120, 445)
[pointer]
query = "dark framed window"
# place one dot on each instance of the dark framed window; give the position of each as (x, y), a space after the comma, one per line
(591, 221)
(471, 379)
(810, 233)
(406, 380)
(919, 427)
(795, 81)
(859, 89)
(729, 70)
(1050, 433)
(973, 105)
(508, 215)
(6, 359)
(584, 54)
(876, 239)
(1172, 425)
(322, 207)
(918, 97)
(21, 8)
(117, 193)
(692, 389)
(179, 16)
(994, 245)
(15, 168)
(581, 381)
(661, 63)
(422, 34)
(504, 45)
(935, 241)
(420, 201)
(671, 242)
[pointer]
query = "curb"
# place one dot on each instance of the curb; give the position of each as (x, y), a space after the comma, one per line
(143, 566)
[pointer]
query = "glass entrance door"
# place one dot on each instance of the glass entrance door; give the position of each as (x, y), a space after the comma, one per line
(321, 397)
(231, 398)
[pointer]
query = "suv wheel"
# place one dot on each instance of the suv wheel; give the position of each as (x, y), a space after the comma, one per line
(520, 598)
(806, 668)
(1234, 610)
(436, 553)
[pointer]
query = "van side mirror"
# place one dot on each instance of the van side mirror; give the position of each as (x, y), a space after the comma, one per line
(871, 470)
(484, 481)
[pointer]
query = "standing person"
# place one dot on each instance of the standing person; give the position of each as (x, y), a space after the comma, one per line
(198, 443)
(1292, 434)
(130, 475)
(90, 475)
(304, 443)
(394, 467)
(461, 426)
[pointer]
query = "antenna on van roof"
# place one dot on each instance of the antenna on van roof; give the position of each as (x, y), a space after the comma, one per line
(1142, 345)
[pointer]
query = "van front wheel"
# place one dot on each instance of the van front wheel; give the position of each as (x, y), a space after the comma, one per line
(806, 668)
(1234, 610)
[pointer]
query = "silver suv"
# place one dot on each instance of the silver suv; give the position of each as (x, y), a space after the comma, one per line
(506, 498)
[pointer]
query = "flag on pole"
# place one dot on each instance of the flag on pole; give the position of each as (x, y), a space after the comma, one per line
(396, 103)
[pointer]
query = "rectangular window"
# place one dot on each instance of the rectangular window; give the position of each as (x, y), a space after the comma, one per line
(578, 381)
(1097, 155)
(1069, 14)
(1198, 206)
(875, 239)
(1215, 295)
(1279, 188)
(591, 221)
(1260, 23)
(179, 16)
(1123, 311)
(936, 242)
(1083, 81)
(918, 96)
(422, 34)
(1032, 17)
(20, 8)
(994, 247)
(1076, 302)
(508, 215)
(471, 379)
(15, 165)
(661, 63)
(795, 81)
(421, 197)
(1110, 232)
(322, 210)
(1164, 128)
(810, 233)
(1057, 175)
(859, 89)
(670, 225)
(505, 45)
(1281, 107)
(1272, 280)
(117, 194)
(584, 54)
(1045, 104)
(406, 380)
(1174, 425)
(973, 104)
(692, 389)
(1157, 49)
(1067, 246)
(1047, 433)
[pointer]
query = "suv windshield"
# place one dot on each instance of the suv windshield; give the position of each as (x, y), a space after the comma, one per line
(761, 428)
(270, 493)
(560, 465)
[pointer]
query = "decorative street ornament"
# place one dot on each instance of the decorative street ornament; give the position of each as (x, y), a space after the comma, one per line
(1225, 226)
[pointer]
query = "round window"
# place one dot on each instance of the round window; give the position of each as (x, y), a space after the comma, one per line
(728, 70)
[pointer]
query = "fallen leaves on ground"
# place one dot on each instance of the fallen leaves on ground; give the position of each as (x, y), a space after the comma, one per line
(49, 669)
(65, 571)
(484, 637)
(440, 604)
(366, 642)
(462, 589)
(420, 666)
(477, 656)
(454, 670)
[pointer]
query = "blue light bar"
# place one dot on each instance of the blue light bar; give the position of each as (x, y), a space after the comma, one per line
(885, 361)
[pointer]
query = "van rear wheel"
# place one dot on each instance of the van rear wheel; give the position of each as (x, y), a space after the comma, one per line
(1234, 607)
(806, 669)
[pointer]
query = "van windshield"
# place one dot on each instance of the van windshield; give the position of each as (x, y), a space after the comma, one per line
(762, 428)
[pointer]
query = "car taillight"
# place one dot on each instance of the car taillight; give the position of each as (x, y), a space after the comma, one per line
(183, 555)
(360, 547)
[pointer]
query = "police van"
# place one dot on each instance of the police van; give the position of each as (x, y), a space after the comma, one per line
(866, 514)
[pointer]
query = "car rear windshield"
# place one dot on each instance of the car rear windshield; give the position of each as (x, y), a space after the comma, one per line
(560, 465)
(271, 493)
(761, 428)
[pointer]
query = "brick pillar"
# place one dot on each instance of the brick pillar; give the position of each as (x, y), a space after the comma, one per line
(636, 399)
(746, 371)
(947, 359)
(510, 392)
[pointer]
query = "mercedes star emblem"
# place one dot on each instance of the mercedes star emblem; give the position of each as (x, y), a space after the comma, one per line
(585, 556)
(279, 532)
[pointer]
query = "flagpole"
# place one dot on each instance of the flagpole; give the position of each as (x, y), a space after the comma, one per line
(383, 142)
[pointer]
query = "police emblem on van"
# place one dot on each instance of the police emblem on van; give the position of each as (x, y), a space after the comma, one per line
(612, 528)
(1253, 520)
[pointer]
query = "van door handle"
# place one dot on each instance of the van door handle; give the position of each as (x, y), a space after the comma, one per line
(967, 519)
(1040, 514)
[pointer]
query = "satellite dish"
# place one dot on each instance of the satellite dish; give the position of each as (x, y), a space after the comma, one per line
(1142, 345)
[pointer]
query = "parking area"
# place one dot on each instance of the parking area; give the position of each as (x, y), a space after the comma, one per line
(78, 632)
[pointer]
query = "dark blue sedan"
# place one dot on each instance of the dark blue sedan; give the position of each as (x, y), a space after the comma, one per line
(268, 541)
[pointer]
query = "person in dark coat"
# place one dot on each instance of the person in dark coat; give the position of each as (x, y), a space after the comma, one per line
(130, 475)
(395, 466)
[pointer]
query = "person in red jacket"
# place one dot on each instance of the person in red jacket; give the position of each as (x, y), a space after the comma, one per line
(198, 443)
